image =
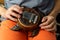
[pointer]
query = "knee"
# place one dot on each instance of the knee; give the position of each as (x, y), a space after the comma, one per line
(7, 34)
(45, 35)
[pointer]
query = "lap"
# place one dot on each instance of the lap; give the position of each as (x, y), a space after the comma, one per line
(44, 35)
(7, 34)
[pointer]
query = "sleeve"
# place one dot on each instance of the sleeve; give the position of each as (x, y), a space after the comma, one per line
(9, 3)
(46, 6)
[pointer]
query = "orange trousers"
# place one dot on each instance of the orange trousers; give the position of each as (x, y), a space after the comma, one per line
(7, 34)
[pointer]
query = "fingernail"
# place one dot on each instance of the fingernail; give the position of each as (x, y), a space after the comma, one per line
(44, 19)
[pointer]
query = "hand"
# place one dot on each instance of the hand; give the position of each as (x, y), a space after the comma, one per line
(10, 12)
(48, 23)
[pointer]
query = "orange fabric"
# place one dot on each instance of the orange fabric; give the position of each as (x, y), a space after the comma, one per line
(43, 35)
(7, 34)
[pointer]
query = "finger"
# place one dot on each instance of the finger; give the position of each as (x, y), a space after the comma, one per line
(48, 26)
(4, 16)
(15, 15)
(44, 19)
(11, 18)
(52, 29)
(17, 9)
(47, 22)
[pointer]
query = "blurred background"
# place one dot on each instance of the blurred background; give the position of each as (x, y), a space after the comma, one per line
(58, 26)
